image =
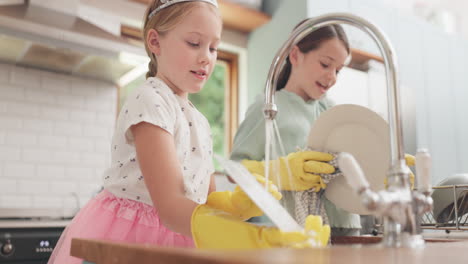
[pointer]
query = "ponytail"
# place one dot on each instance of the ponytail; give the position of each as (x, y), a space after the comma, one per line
(284, 75)
(152, 67)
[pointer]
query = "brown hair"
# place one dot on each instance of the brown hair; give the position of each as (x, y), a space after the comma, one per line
(163, 21)
(312, 42)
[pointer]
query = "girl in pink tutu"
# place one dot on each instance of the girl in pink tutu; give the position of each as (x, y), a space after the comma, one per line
(161, 167)
(156, 190)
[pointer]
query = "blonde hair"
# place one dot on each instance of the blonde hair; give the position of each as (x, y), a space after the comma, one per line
(163, 21)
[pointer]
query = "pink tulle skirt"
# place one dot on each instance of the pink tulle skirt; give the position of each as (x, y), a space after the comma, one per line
(120, 220)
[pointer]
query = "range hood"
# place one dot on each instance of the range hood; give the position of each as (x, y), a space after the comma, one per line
(37, 36)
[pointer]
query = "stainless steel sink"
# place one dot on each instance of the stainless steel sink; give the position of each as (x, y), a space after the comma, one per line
(369, 240)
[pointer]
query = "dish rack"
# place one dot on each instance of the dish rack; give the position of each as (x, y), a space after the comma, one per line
(454, 217)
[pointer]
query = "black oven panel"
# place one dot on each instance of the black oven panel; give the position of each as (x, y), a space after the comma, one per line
(21, 245)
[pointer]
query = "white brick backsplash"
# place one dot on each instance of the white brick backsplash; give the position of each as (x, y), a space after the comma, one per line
(106, 118)
(22, 109)
(53, 202)
(99, 105)
(51, 172)
(68, 128)
(71, 101)
(80, 173)
(19, 170)
(99, 173)
(2, 137)
(3, 107)
(66, 157)
(25, 77)
(10, 123)
(33, 187)
(106, 94)
(8, 186)
(96, 131)
(90, 188)
(95, 159)
(72, 202)
(10, 153)
(63, 187)
(15, 201)
(5, 70)
(38, 96)
(37, 155)
(103, 146)
(54, 113)
(38, 125)
(79, 143)
(83, 116)
(54, 142)
(84, 199)
(45, 154)
(21, 139)
(8, 91)
(55, 83)
(84, 88)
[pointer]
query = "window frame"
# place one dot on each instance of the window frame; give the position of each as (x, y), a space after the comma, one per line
(231, 99)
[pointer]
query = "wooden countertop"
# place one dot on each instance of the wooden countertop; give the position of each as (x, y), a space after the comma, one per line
(103, 252)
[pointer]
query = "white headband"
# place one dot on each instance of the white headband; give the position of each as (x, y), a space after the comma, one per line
(166, 3)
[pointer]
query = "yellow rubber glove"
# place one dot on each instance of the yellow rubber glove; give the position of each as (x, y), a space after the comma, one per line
(216, 229)
(237, 203)
(410, 161)
(303, 165)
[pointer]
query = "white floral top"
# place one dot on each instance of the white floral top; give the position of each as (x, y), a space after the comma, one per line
(155, 103)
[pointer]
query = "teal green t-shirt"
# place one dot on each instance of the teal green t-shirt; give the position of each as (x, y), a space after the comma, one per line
(294, 119)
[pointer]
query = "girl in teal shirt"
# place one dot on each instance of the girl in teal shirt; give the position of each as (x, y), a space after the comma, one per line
(311, 70)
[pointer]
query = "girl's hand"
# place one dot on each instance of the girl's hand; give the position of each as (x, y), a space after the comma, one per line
(216, 229)
(315, 234)
(298, 171)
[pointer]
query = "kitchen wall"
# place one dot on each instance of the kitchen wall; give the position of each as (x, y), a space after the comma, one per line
(55, 133)
(433, 67)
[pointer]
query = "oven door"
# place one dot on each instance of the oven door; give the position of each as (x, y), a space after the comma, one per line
(27, 245)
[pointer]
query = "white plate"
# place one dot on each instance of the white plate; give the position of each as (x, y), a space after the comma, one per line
(364, 134)
(444, 198)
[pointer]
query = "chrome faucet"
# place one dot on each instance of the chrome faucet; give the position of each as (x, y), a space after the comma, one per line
(398, 205)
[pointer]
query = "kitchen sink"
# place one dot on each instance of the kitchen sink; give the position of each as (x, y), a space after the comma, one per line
(369, 240)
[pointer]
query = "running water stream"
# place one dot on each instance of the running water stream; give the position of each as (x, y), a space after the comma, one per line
(274, 149)
(272, 142)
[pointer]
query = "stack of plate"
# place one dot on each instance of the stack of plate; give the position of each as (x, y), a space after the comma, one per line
(444, 198)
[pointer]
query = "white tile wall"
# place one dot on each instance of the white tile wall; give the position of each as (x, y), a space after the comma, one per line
(55, 132)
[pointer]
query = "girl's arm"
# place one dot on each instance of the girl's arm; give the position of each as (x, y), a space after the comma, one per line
(158, 162)
(212, 184)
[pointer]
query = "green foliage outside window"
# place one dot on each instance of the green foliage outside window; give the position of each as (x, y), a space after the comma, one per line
(210, 102)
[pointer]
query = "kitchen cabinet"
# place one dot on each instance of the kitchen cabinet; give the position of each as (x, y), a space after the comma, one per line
(235, 16)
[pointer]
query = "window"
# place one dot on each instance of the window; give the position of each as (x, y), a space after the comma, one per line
(218, 103)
